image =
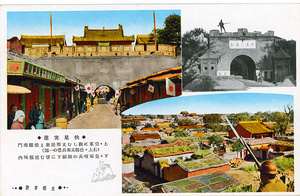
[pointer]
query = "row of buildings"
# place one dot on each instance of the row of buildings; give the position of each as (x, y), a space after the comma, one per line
(95, 42)
(54, 90)
(162, 154)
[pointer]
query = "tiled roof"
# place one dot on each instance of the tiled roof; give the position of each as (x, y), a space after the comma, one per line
(126, 119)
(193, 114)
(188, 127)
(144, 39)
(283, 143)
(146, 136)
(255, 127)
(128, 130)
(265, 147)
(199, 134)
(175, 143)
(139, 119)
(205, 163)
(270, 125)
(178, 142)
(161, 75)
(29, 40)
(167, 130)
(184, 112)
(103, 35)
(267, 140)
(151, 129)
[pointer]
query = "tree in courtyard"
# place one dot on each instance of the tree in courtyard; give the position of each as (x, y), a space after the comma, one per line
(215, 140)
(235, 118)
(133, 125)
(211, 120)
(171, 33)
(236, 146)
(259, 116)
(282, 123)
(148, 125)
(185, 122)
(289, 111)
(181, 132)
(194, 44)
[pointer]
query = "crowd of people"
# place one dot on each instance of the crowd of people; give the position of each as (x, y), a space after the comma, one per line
(36, 116)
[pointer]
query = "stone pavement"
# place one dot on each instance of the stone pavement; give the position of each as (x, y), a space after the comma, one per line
(100, 117)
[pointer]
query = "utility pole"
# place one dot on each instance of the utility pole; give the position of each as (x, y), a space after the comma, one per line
(155, 32)
(51, 28)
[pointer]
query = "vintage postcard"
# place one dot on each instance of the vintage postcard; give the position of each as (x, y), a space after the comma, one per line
(149, 98)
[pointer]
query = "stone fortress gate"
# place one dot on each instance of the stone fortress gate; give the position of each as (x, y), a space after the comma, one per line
(244, 53)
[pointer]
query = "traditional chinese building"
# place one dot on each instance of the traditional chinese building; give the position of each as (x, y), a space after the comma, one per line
(144, 39)
(150, 159)
(15, 44)
(29, 40)
(50, 88)
(195, 168)
(103, 36)
(138, 91)
(252, 129)
(135, 138)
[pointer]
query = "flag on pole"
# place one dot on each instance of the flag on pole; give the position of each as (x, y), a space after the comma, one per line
(151, 88)
(77, 88)
(88, 88)
(93, 86)
(117, 94)
(170, 87)
(93, 93)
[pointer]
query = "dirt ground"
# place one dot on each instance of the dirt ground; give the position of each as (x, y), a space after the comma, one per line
(100, 117)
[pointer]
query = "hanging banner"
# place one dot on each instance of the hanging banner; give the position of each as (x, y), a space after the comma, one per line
(77, 88)
(88, 88)
(93, 86)
(132, 91)
(151, 88)
(117, 94)
(170, 87)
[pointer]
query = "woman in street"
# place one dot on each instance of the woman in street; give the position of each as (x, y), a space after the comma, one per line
(19, 118)
(38, 117)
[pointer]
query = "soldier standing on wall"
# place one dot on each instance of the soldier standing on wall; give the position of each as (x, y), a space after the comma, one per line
(221, 24)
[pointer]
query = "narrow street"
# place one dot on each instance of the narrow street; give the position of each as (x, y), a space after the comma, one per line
(100, 117)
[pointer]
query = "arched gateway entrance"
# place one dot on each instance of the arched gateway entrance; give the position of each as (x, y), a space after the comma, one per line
(244, 66)
(105, 92)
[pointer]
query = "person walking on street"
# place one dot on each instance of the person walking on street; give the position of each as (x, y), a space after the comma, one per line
(30, 116)
(39, 118)
(70, 108)
(11, 115)
(118, 109)
(18, 120)
(269, 183)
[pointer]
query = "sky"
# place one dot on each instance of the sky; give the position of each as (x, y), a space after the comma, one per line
(215, 103)
(283, 19)
(71, 23)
